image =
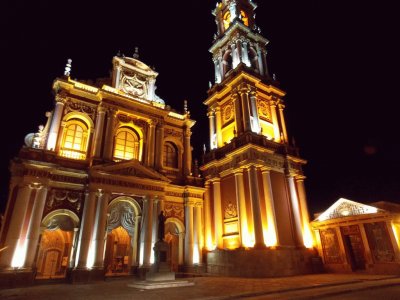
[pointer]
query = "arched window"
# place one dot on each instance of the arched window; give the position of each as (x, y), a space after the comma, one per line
(170, 158)
(126, 145)
(244, 18)
(227, 20)
(74, 142)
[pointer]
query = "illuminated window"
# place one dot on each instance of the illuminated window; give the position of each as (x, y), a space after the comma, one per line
(126, 145)
(74, 142)
(170, 155)
(244, 18)
(227, 20)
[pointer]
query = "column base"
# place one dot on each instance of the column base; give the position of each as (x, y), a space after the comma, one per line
(87, 275)
(13, 278)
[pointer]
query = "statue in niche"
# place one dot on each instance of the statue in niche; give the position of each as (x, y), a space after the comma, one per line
(161, 226)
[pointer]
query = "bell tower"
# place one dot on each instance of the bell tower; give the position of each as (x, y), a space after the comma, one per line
(255, 197)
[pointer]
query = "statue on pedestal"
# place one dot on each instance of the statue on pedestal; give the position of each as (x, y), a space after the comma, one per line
(161, 226)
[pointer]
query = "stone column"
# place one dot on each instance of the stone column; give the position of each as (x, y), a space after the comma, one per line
(245, 107)
(16, 223)
(100, 228)
(256, 208)
(207, 216)
(277, 134)
(32, 236)
(135, 241)
(219, 126)
(253, 101)
(211, 118)
(188, 232)
(74, 247)
(259, 59)
(246, 54)
(272, 230)
(239, 50)
(367, 250)
(392, 230)
(150, 144)
(295, 210)
(187, 152)
(109, 142)
(264, 60)
(55, 123)
(98, 134)
(117, 77)
(235, 58)
(217, 70)
(198, 236)
(218, 228)
(85, 235)
(304, 209)
(154, 235)
(241, 204)
(238, 113)
(159, 146)
(221, 66)
(285, 136)
(147, 231)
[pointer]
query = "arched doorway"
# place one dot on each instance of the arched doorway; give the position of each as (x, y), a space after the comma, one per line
(122, 236)
(117, 258)
(57, 244)
(174, 231)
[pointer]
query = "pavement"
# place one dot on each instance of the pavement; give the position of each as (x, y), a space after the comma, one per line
(212, 288)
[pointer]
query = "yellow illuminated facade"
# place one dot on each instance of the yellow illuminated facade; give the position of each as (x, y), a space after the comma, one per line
(87, 189)
(353, 236)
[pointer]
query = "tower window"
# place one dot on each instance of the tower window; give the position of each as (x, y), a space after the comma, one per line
(227, 20)
(126, 145)
(74, 142)
(244, 18)
(170, 158)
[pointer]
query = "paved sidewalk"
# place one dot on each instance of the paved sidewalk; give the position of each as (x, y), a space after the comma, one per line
(207, 288)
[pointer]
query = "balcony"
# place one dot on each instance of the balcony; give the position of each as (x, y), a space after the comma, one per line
(249, 138)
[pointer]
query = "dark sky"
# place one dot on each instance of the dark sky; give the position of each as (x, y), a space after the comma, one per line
(337, 60)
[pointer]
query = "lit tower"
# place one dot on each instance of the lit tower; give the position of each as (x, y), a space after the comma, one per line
(255, 196)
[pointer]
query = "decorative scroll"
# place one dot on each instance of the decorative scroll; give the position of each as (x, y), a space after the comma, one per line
(330, 246)
(122, 214)
(379, 242)
(174, 210)
(230, 211)
(62, 222)
(264, 110)
(80, 107)
(64, 199)
(173, 133)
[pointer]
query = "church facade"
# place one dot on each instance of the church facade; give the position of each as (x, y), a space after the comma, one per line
(87, 189)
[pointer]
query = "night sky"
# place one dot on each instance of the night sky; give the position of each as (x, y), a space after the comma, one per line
(337, 61)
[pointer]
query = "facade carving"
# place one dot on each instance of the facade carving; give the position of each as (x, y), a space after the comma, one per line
(88, 187)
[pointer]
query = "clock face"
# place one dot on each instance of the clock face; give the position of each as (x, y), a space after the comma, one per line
(133, 86)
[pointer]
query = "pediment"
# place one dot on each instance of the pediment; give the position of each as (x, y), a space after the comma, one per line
(346, 208)
(131, 168)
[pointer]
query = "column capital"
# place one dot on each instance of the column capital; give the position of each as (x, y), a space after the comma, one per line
(300, 178)
(238, 172)
(60, 99)
(152, 123)
(211, 114)
(243, 89)
(265, 170)
(215, 180)
(101, 109)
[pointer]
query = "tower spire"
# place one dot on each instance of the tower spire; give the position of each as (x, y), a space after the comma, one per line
(238, 40)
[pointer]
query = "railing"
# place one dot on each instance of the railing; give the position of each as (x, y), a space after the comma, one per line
(248, 138)
(73, 154)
